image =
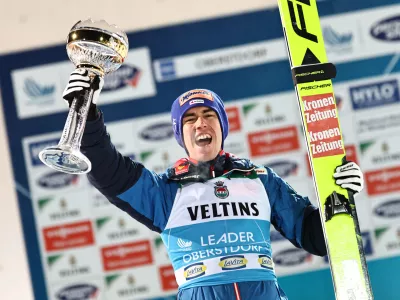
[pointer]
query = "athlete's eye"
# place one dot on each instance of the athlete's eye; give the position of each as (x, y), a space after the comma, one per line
(189, 120)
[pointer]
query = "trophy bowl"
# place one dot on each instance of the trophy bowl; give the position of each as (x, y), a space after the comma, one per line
(99, 48)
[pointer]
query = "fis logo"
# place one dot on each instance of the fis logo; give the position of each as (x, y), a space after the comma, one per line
(194, 271)
(335, 39)
(375, 94)
(126, 75)
(233, 262)
(57, 180)
(157, 132)
(387, 30)
(38, 93)
(390, 209)
(185, 245)
(292, 257)
(78, 292)
(35, 148)
(284, 168)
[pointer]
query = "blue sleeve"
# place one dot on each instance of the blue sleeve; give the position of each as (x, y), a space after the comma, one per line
(127, 184)
(288, 209)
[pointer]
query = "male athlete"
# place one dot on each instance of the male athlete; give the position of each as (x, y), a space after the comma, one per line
(213, 210)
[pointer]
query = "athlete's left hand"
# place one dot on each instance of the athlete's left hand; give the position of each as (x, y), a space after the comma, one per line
(349, 176)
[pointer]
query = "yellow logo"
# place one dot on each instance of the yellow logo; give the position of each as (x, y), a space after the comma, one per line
(194, 271)
(233, 262)
(265, 262)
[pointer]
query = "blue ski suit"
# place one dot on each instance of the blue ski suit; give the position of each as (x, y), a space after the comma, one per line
(214, 217)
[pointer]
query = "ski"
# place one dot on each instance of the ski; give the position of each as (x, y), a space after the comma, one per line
(312, 75)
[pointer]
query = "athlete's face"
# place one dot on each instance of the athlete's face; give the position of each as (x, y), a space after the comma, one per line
(202, 133)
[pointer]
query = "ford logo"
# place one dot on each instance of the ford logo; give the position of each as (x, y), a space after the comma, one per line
(291, 257)
(78, 292)
(56, 180)
(157, 132)
(387, 30)
(283, 168)
(389, 209)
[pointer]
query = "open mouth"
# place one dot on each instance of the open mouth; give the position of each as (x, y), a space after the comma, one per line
(203, 140)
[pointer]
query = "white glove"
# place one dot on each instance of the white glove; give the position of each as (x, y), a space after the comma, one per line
(349, 176)
(79, 80)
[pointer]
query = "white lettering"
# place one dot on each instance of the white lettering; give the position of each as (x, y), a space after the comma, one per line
(319, 103)
(325, 147)
(325, 134)
(320, 115)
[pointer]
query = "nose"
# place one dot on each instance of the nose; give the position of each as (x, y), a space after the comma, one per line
(200, 123)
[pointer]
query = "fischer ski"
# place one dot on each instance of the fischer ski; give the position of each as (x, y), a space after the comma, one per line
(312, 75)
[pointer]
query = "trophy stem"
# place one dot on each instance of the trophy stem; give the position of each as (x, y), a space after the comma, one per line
(66, 156)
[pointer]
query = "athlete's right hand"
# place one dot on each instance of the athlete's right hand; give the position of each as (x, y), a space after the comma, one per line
(79, 81)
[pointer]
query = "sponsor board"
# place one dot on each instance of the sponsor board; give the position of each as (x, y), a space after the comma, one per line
(85, 289)
(351, 153)
(37, 89)
(218, 60)
(383, 121)
(73, 265)
(44, 181)
(67, 236)
(127, 255)
(121, 133)
(337, 41)
(159, 160)
(66, 208)
(268, 142)
(267, 112)
(133, 80)
(153, 132)
(374, 94)
(347, 126)
(234, 118)
(235, 144)
(387, 240)
(380, 153)
(36, 147)
(160, 252)
(167, 278)
(342, 37)
(383, 181)
(288, 167)
(289, 260)
(385, 210)
(387, 30)
(118, 229)
(99, 203)
(131, 284)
